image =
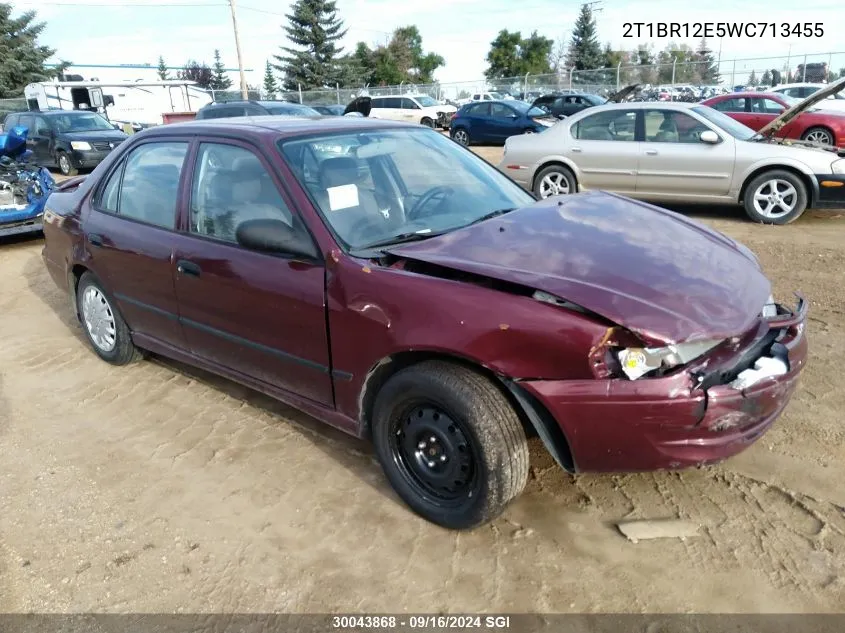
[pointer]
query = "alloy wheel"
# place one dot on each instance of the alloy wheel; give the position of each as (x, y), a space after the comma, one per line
(775, 198)
(462, 137)
(554, 184)
(820, 136)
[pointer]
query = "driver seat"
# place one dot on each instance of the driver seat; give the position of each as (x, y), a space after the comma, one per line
(340, 171)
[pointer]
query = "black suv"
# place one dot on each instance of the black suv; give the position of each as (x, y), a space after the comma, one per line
(69, 139)
(226, 109)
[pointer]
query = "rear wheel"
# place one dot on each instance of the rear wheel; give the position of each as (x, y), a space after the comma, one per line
(775, 197)
(818, 135)
(65, 164)
(450, 444)
(104, 327)
(461, 136)
(554, 180)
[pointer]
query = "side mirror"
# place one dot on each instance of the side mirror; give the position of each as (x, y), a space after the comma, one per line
(275, 236)
(709, 136)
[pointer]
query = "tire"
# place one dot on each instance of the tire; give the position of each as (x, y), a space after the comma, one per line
(819, 134)
(113, 343)
(455, 488)
(554, 180)
(528, 130)
(428, 122)
(762, 185)
(65, 165)
(461, 136)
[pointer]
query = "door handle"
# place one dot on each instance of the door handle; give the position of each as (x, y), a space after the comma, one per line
(95, 239)
(651, 152)
(188, 268)
(576, 149)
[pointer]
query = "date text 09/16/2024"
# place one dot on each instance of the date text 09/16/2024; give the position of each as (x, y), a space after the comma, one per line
(698, 30)
(432, 622)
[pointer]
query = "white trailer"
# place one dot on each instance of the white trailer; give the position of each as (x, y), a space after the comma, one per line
(138, 103)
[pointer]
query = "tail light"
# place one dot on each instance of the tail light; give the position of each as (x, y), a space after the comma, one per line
(454, 116)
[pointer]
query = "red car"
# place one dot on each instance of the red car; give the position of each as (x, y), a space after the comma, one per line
(389, 282)
(757, 109)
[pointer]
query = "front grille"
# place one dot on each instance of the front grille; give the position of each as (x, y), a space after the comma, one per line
(104, 146)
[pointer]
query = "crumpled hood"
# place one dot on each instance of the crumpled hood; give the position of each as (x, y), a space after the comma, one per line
(663, 276)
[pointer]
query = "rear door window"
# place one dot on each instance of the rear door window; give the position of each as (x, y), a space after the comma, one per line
(149, 184)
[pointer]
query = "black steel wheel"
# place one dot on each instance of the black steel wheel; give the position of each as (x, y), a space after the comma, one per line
(434, 453)
(450, 443)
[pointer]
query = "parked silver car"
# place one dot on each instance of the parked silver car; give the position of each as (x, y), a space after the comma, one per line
(681, 152)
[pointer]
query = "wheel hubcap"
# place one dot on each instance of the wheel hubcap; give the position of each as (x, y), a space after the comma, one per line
(434, 454)
(775, 198)
(461, 137)
(99, 319)
(554, 184)
(64, 164)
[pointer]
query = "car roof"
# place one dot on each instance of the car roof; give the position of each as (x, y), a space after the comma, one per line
(49, 113)
(642, 105)
(284, 125)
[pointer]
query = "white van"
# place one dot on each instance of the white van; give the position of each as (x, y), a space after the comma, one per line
(412, 108)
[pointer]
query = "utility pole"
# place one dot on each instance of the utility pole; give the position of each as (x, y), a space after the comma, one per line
(244, 90)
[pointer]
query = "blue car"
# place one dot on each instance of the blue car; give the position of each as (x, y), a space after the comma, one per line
(24, 186)
(495, 121)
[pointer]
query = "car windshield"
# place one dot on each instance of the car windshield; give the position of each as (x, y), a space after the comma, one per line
(426, 101)
(293, 108)
(81, 122)
(726, 123)
(495, 95)
(596, 100)
(527, 109)
(379, 187)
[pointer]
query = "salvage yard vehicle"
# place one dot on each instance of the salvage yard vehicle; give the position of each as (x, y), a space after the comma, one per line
(24, 186)
(758, 109)
(495, 121)
(410, 108)
(227, 109)
(835, 101)
(70, 140)
(444, 313)
(682, 152)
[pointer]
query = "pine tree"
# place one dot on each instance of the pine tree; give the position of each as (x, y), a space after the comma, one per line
(21, 58)
(162, 69)
(221, 80)
(766, 79)
(585, 52)
(314, 29)
(707, 66)
(752, 79)
(270, 86)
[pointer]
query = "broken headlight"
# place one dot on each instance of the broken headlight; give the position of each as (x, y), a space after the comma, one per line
(635, 362)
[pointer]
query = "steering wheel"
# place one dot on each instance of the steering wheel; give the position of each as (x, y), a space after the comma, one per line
(439, 192)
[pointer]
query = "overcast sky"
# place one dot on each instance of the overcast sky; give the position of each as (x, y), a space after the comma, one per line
(138, 31)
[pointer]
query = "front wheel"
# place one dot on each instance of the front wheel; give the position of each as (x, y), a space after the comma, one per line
(450, 443)
(427, 122)
(775, 197)
(65, 164)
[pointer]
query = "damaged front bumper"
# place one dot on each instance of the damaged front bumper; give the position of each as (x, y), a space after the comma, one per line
(699, 414)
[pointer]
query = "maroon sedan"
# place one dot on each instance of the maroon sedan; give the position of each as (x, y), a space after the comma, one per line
(392, 284)
(757, 109)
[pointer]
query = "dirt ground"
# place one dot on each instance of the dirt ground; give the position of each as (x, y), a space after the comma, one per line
(156, 488)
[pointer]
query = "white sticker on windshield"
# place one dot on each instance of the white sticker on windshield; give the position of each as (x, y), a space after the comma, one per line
(343, 197)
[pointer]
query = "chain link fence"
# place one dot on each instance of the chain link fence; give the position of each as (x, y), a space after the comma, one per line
(815, 68)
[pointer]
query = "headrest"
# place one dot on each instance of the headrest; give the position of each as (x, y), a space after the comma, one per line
(342, 170)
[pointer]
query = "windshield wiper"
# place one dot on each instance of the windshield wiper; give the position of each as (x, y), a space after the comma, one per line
(399, 239)
(490, 215)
